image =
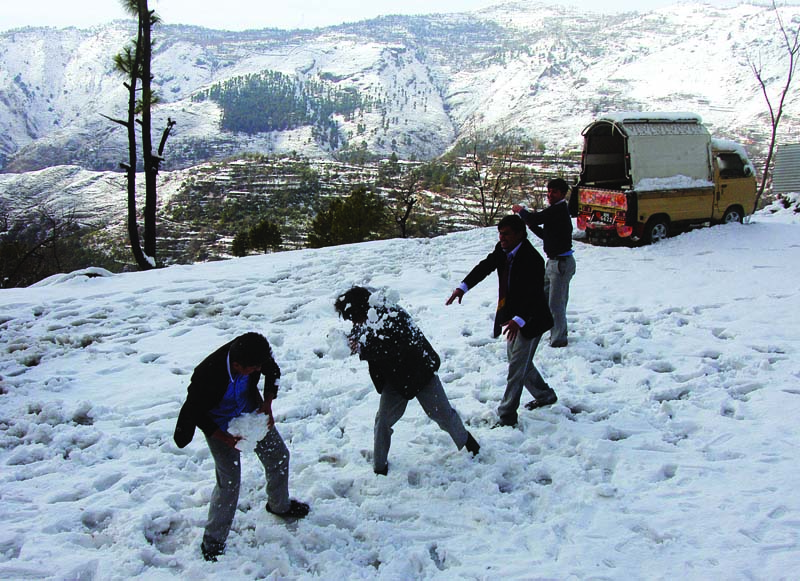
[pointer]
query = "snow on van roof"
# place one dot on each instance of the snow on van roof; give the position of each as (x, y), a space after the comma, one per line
(651, 117)
(727, 145)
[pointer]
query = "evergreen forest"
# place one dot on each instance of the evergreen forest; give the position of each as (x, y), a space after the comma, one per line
(273, 101)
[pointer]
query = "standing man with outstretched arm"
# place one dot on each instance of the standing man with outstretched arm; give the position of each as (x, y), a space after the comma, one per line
(223, 387)
(554, 226)
(522, 313)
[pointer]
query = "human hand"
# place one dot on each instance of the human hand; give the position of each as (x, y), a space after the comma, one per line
(228, 439)
(266, 408)
(511, 330)
(354, 343)
(516, 208)
(457, 294)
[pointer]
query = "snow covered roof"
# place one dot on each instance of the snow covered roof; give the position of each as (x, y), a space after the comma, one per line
(633, 123)
(652, 117)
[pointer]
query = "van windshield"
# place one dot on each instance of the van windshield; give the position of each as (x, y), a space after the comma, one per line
(730, 165)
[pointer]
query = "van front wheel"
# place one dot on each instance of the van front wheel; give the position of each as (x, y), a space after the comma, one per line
(733, 214)
(655, 230)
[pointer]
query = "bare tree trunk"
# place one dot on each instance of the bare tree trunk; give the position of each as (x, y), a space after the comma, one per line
(130, 167)
(150, 167)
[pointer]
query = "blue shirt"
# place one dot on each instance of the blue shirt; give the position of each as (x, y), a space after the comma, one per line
(235, 402)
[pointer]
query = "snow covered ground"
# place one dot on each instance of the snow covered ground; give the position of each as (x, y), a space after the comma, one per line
(671, 454)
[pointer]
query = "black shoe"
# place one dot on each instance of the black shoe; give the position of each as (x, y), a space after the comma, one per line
(381, 471)
(472, 446)
(212, 551)
(505, 424)
(538, 403)
(557, 344)
(296, 509)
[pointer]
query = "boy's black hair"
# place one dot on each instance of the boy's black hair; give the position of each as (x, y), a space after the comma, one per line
(514, 222)
(353, 304)
(250, 349)
(558, 184)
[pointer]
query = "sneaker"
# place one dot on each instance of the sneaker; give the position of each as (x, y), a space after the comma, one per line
(538, 403)
(472, 446)
(296, 509)
(212, 551)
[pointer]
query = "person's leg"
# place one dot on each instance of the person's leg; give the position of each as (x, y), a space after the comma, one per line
(434, 402)
(558, 275)
(521, 373)
(543, 394)
(225, 496)
(274, 455)
(391, 408)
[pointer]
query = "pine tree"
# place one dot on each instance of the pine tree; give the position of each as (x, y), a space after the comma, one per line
(134, 63)
(359, 217)
(265, 236)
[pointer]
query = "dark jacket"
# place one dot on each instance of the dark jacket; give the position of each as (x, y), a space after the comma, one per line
(553, 225)
(208, 385)
(400, 358)
(526, 298)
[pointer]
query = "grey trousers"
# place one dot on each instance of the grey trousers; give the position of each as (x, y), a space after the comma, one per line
(274, 455)
(521, 373)
(434, 403)
(557, 275)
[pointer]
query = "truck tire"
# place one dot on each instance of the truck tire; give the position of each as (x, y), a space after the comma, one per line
(656, 229)
(733, 214)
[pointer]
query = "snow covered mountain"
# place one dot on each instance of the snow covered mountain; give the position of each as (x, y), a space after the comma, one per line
(420, 82)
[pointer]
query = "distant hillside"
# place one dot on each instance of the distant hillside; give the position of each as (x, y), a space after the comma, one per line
(408, 85)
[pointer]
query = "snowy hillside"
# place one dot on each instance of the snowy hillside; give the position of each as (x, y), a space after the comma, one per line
(526, 67)
(671, 454)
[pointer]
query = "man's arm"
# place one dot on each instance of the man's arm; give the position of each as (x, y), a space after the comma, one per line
(483, 269)
(534, 220)
(272, 375)
(266, 408)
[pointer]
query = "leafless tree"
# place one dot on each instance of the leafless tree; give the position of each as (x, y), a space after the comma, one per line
(404, 198)
(791, 40)
(38, 246)
(490, 178)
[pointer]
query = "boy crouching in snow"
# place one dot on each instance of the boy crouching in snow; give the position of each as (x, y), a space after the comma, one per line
(223, 387)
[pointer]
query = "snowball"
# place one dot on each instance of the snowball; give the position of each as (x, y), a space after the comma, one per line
(338, 345)
(252, 427)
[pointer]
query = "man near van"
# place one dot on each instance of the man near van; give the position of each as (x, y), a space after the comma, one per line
(554, 226)
(223, 387)
(522, 313)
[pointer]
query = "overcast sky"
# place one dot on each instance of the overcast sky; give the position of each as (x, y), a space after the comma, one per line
(244, 14)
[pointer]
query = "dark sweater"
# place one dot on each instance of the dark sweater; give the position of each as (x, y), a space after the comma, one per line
(400, 358)
(553, 225)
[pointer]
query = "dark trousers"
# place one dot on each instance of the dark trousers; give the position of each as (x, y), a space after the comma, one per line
(434, 403)
(274, 456)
